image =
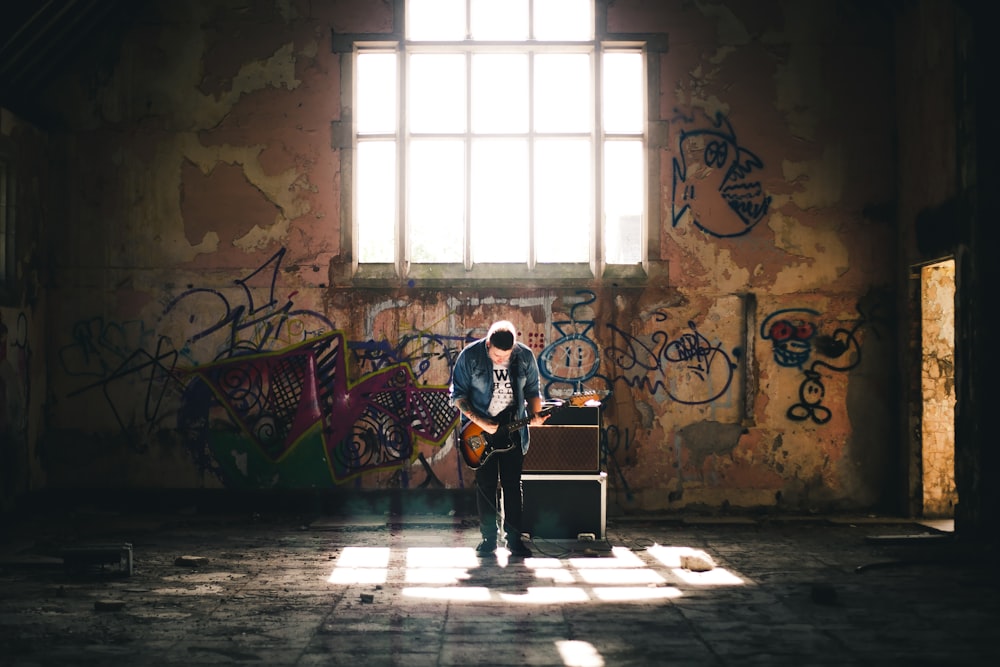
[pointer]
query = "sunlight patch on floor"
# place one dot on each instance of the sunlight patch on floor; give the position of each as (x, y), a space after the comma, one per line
(450, 573)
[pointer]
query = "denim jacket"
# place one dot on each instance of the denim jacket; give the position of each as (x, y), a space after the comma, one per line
(472, 378)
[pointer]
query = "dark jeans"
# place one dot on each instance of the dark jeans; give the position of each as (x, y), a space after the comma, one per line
(504, 468)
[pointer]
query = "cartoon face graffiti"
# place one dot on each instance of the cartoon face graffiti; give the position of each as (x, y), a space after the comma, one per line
(791, 342)
(791, 334)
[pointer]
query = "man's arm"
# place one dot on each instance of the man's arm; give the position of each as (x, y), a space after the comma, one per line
(464, 406)
(532, 392)
(459, 395)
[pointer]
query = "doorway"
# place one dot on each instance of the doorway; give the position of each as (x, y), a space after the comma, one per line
(937, 299)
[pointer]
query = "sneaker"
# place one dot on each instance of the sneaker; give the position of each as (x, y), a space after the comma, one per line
(518, 549)
(486, 548)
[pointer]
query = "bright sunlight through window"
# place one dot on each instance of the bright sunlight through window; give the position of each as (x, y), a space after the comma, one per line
(499, 132)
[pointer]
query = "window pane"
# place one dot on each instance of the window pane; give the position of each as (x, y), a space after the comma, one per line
(623, 201)
(499, 19)
(499, 93)
(622, 95)
(436, 210)
(375, 174)
(499, 200)
(557, 20)
(435, 20)
(437, 92)
(563, 200)
(376, 82)
(562, 92)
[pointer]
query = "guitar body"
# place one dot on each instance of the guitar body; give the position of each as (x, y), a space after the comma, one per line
(476, 445)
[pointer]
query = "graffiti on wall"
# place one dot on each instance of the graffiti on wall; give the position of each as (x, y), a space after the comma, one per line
(123, 360)
(420, 350)
(687, 368)
(219, 328)
(795, 341)
(572, 360)
(713, 173)
(297, 420)
(279, 372)
(258, 388)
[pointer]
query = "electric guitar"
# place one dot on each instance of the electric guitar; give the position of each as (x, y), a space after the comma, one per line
(477, 445)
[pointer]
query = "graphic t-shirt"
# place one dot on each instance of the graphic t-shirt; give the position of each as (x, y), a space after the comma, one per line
(503, 390)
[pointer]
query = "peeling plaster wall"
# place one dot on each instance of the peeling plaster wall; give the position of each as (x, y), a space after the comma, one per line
(197, 341)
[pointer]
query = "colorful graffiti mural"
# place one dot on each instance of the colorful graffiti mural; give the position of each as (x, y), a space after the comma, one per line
(299, 421)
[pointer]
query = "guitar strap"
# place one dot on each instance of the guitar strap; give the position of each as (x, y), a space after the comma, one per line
(515, 437)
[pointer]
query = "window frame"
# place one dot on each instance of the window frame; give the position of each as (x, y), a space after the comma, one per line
(351, 272)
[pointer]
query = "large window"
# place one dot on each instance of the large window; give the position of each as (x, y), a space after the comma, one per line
(498, 137)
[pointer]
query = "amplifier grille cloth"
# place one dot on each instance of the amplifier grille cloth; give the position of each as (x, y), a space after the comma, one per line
(562, 449)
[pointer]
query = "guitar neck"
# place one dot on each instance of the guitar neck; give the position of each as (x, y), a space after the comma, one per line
(576, 400)
(519, 423)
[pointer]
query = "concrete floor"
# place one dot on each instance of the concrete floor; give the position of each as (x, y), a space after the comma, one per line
(392, 589)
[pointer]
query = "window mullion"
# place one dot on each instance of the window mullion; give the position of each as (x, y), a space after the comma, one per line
(532, 250)
(531, 159)
(467, 246)
(597, 137)
(402, 254)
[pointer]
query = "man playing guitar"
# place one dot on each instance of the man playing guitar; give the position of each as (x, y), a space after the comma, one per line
(495, 381)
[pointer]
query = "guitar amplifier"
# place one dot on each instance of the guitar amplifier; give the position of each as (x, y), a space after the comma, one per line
(568, 443)
(562, 507)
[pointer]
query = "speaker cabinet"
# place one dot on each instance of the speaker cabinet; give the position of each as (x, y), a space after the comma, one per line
(561, 507)
(568, 443)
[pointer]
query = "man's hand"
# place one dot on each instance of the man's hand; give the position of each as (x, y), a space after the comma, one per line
(535, 410)
(538, 420)
(485, 423)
